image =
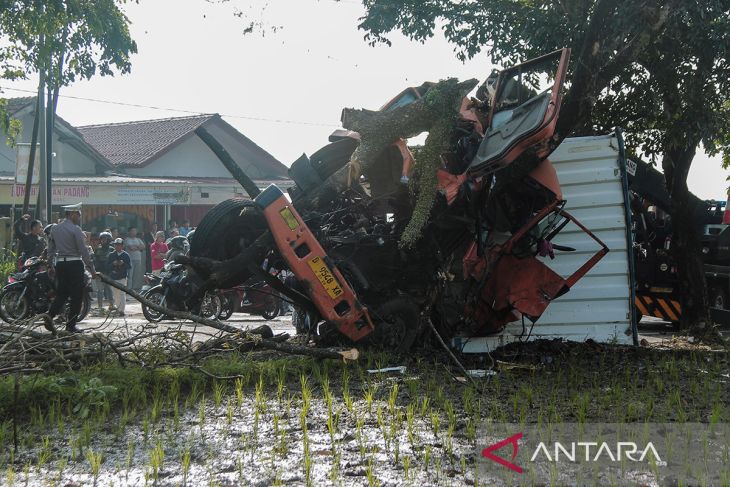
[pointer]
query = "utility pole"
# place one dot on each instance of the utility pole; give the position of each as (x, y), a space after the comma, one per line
(50, 112)
(42, 180)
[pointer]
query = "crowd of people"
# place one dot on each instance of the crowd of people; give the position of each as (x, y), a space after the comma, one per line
(124, 256)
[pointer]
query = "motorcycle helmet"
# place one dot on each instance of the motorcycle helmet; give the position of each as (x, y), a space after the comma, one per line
(179, 242)
(190, 237)
(47, 229)
(105, 235)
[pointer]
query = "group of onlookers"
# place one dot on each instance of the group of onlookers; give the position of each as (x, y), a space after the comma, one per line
(124, 257)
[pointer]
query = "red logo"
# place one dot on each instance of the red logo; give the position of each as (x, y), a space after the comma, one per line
(487, 452)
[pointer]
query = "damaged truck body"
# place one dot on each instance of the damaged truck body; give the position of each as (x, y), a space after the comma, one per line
(380, 241)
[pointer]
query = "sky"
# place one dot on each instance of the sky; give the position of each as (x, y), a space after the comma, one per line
(284, 85)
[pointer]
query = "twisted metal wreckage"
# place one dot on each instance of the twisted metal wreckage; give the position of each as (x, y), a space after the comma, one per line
(380, 241)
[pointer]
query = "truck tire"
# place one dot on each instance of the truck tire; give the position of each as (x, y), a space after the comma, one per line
(718, 298)
(227, 229)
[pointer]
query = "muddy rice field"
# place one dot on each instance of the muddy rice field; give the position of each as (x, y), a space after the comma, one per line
(264, 419)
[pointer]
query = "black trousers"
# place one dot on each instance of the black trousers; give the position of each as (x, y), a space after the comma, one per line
(69, 285)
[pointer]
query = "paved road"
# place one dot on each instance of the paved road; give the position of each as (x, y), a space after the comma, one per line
(653, 330)
(134, 320)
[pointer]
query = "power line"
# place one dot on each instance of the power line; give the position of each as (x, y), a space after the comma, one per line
(180, 110)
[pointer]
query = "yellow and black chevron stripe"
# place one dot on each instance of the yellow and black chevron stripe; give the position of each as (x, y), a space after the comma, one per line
(660, 307)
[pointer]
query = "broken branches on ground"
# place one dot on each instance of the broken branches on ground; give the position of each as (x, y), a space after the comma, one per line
(26, 349)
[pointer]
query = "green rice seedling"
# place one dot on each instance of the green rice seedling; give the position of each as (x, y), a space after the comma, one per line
(201, 413)
(74, 446)
(260, 395)
(176, 415)
(412, 386)
(145, 427)
(359, 423)
(239, 392)
(280, 383)
(717, 413)
(425, 406)
(156, 408)
(255, 431)
(95, 460)
(219, 389)
(369, 401)
(60, 424)
(406, 461)
(334, 474)
(426, 457)
(370, 475)
(346, 398)
(10, 474)
(393, 398)
(307, 460)
(306, 394)
(130, 455)
(435, 423)
(44, 454)
(37, 418)
(4, 434)
(580, 403)
(194, 395)
(60, 467)
(303, 420)
(471, 429)
(157, 458)
(229, 413)
(380, 418)
(410, 433)
(185, 463)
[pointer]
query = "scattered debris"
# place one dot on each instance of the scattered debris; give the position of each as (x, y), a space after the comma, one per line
(401, 370)
(383, 242)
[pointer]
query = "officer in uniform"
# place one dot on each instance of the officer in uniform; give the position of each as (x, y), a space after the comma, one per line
(67, 244)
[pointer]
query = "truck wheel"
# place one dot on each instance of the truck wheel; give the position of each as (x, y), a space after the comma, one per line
(718, 298)
(227, 229)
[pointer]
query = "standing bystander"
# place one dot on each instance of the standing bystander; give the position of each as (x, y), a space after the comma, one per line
(31, 244)
(158, 251)
(134, 247)
(101, 258)
(119, 265)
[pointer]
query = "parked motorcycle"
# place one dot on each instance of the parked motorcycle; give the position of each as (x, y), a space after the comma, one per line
(174, 291)
(31, 292)
(150, 280)
(257, 298)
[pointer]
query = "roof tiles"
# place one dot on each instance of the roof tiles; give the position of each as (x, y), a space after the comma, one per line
(133, 144)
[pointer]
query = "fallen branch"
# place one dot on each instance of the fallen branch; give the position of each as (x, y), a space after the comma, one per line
(258, 341)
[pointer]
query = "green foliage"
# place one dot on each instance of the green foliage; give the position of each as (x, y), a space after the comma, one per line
(632, 61)
(111, 385)
(658, 69)
(8, 264)
(8, 125)
(67, 39)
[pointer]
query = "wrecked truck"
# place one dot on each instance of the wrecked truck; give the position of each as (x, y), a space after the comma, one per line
(383, 242)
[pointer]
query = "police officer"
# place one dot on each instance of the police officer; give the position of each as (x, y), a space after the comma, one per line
(69, 248)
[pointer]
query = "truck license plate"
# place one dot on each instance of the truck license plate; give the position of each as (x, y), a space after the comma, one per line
(324, 274)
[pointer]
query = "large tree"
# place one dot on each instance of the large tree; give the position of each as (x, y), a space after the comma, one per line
(62, 41)
(658, 68)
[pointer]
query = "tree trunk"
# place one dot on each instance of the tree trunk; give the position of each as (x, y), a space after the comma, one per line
(33, 143)
(685, 246)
